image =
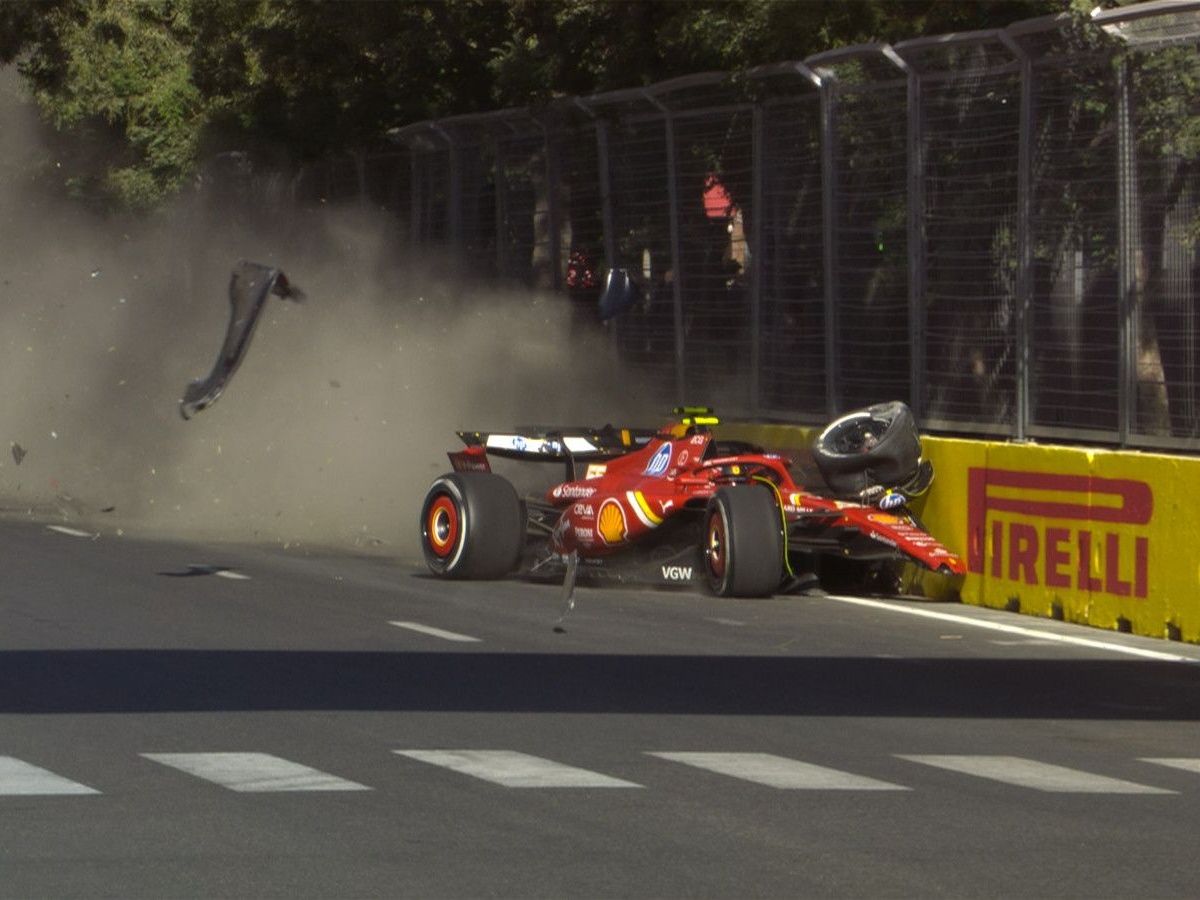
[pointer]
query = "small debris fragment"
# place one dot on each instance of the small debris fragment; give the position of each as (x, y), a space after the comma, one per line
(366, 539)
(73, 532)
(18, 453)
(194, 569)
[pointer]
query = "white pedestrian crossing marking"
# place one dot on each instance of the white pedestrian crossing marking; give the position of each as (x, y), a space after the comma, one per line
(254, 772)
(250, 772)
(512, 769)
(1187, 764)
(780, 772)
(19, 778)
(1029, 773)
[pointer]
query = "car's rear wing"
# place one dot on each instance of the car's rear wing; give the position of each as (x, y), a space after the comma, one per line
(567, 445)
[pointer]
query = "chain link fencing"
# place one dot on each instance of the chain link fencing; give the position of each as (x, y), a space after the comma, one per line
(997, 227)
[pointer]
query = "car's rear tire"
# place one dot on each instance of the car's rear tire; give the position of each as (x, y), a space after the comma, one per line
(472, 526)
(878, 445)
(743, 542)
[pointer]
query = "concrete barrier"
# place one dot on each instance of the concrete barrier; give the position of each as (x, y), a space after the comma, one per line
(1100, 537)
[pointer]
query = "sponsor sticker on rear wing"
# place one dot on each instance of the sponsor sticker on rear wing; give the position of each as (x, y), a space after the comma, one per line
(574, 445)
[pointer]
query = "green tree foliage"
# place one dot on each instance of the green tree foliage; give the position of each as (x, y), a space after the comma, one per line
(586, 46)
(143, 89)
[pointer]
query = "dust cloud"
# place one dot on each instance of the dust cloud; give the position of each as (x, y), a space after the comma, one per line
(342, 411)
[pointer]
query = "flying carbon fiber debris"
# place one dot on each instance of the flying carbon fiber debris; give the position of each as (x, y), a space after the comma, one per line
(249, 287)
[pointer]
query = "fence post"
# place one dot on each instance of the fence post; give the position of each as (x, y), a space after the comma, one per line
(829, 195)
(606, 200)
(1127, 244)
(501, 208)
(454, 189)
(412, 142)
(606, 207)
(917, 250)
(758, 205)
(415, 219)
(554, 177)
(676, 247)
(551, 172)
(1023, 284)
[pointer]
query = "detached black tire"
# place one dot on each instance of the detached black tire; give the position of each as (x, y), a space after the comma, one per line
(472, 526)
(878, 445)
(743, 542)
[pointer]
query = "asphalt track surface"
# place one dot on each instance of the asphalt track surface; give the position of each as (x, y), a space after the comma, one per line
(183, 720)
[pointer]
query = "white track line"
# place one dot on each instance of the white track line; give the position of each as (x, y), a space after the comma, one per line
(436, 632)
(1021, 630)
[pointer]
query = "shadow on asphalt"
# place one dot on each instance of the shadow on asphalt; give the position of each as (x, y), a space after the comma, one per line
(134, 681)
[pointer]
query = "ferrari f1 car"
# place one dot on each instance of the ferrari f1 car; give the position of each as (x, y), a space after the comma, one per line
(678, 505)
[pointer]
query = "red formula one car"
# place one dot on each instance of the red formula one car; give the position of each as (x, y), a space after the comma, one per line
(679, 506)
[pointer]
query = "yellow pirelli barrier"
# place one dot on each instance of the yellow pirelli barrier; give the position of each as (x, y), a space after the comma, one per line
(1100, 537)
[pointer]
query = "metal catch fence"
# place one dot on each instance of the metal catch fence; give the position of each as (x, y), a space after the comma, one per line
(997, 227)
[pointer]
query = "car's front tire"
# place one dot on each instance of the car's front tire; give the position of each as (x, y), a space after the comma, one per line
(878, 445)
(743, 542)
(472, 526)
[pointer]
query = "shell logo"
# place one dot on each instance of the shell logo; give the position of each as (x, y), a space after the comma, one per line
(610, 522)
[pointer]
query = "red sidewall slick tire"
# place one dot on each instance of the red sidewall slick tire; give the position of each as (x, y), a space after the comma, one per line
(472, 526)
(743, 542)
(716, 545)
(442, 526)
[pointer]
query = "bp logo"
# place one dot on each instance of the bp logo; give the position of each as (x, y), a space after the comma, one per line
(660, 461)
